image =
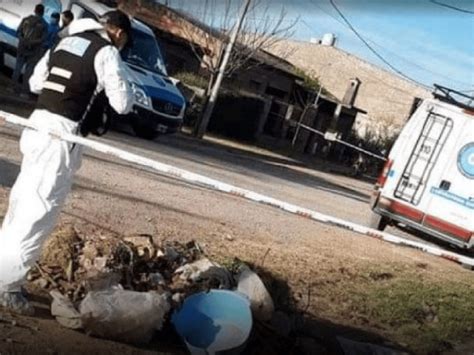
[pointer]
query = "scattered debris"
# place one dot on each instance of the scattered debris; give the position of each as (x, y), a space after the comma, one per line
(45, 277)
(143, 243)
(156, 279)
(42, 283)
(124, 315)
(60, 249)
(204, 269)
(64, 311)
(102, 281)
(170, 254)
(124, 289)
(177, 298)
(252, 286)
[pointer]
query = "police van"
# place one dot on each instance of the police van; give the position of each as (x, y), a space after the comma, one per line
(159, 105)
(428, 180)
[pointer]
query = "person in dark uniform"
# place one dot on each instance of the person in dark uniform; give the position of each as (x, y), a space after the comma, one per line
(66, 17)
(32, 34)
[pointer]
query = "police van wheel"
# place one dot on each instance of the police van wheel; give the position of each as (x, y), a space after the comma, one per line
(144, 131)
(378, 222)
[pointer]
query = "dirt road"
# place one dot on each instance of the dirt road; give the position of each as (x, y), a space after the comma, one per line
(113, 196)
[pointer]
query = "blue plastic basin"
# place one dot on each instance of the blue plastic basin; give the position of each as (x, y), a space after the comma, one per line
(216, 321)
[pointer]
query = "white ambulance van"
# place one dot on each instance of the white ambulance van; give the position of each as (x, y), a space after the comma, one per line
(159, 105)
(428, 181)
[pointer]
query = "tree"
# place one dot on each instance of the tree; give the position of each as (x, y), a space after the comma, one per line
(232, 45)
(208, 32)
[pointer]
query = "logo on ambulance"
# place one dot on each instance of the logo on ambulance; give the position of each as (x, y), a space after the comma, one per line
(466, 160)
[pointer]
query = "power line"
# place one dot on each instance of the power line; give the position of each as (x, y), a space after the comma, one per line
(420, 67)
(347, 25)
(371, 48)
(328, 13)
(452, 7)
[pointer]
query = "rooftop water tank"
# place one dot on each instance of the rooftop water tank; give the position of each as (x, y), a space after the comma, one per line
(328, 39)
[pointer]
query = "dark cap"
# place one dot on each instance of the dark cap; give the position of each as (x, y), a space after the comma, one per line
(119, 19)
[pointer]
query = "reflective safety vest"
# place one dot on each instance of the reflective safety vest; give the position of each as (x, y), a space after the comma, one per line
(72, 81)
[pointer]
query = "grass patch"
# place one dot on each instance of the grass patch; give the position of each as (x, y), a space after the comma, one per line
(427, 316)
(418, 306)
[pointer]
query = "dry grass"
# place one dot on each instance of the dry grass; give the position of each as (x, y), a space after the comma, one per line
(408, 304)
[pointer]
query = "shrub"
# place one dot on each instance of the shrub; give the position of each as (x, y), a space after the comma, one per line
(192, 79)
(236, 116)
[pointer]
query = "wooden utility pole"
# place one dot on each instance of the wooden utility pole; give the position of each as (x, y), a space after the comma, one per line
(202, 126)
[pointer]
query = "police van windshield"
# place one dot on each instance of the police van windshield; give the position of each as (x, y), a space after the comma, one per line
(144, 53)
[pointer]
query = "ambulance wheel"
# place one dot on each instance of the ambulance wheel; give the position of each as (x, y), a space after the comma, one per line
(378, 222)
(144, 131)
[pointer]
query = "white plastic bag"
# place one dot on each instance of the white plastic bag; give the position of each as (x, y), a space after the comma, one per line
(123, 315)
(250, 284)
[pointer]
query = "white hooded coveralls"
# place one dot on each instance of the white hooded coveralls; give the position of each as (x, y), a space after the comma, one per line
(49, 165)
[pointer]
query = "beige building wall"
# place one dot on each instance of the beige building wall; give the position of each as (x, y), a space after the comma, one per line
(386, 97)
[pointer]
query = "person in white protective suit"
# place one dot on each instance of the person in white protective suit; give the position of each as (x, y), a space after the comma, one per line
(66, 79)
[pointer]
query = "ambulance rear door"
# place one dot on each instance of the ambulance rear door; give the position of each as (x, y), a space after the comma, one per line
(450, 209)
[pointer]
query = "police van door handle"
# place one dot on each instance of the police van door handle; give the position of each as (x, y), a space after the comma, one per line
(445, 185)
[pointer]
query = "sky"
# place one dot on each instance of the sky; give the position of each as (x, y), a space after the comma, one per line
(423, 40)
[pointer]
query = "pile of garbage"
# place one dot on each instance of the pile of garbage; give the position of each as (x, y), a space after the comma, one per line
(76, 264)
(127, 288)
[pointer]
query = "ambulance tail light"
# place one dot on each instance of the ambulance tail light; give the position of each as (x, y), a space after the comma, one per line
(384, 174)
(469, 112)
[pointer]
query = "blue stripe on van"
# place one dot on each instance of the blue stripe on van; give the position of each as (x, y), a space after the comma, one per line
(453, 197)
(155, 92)
(7, 30)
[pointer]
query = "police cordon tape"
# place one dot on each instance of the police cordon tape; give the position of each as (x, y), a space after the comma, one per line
(236, 191)
(322, 134)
